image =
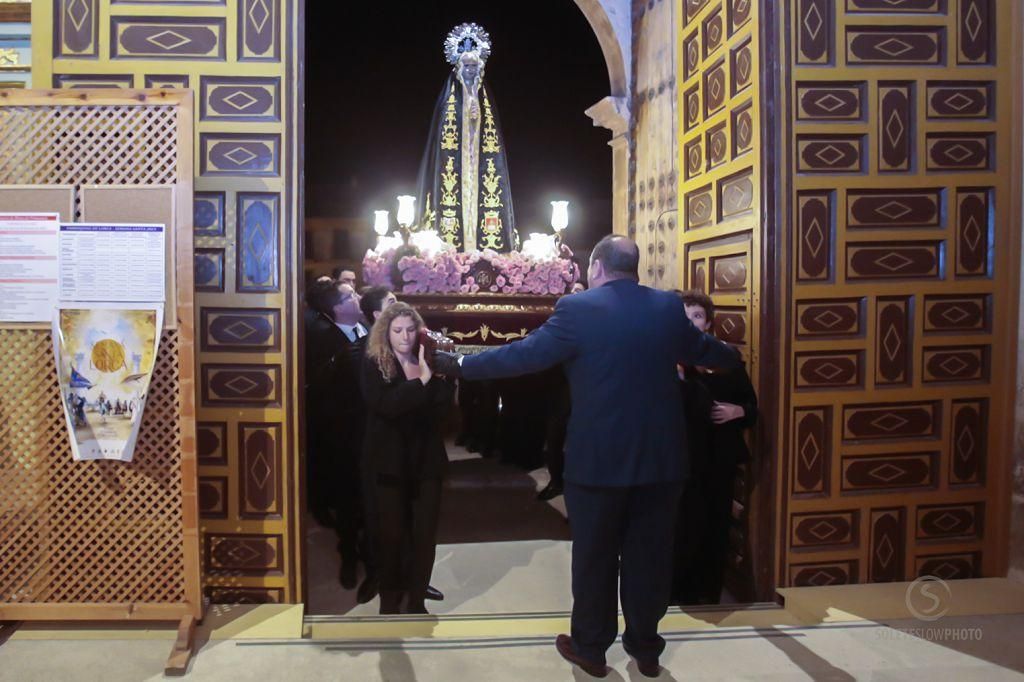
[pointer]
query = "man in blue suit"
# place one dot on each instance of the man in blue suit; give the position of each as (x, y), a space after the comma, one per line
(625, 461)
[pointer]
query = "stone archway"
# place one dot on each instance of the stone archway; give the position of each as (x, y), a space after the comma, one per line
(612, 24)
(610, 20)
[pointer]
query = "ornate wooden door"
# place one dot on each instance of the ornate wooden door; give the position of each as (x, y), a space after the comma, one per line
(720, 197)
(897, 289)
(653, 213)
(242, 58)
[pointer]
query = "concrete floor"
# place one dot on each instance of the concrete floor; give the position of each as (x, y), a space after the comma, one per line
(850, 651)
(503, 553)
(499, 549)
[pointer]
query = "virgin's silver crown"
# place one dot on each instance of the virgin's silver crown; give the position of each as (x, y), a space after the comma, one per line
(466, 37)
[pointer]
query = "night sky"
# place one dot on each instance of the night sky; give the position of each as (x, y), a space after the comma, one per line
(375, 70)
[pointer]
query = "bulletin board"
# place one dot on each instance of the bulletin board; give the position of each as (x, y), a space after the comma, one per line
(100, 540)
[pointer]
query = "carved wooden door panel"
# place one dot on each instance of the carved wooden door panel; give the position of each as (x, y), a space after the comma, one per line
(720, 241)
(897, 307)
(653, 210)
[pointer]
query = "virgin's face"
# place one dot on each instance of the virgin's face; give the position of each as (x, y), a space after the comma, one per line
(402, 334)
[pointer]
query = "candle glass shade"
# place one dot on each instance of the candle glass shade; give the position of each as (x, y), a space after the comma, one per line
(406, 210)
(380, 222)
(559, 215)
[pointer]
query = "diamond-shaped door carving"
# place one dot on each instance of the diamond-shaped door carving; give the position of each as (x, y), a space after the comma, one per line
(894, 345)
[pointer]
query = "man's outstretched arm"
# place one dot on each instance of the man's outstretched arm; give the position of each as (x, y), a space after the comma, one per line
(551, 344)
(698, 348)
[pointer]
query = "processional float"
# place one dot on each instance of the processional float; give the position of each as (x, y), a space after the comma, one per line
(457, 255)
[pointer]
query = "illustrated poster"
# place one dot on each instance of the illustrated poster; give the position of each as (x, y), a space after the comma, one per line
(105, 355)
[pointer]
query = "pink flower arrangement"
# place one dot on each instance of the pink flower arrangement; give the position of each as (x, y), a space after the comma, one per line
(451, 272)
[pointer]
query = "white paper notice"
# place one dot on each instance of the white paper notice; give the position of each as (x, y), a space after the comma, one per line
(28, 266)
(111, 262)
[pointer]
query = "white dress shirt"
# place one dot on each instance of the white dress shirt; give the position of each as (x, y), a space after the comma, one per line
(354, 332)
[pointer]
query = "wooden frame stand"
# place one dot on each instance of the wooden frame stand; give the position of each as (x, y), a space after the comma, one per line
(101, 540)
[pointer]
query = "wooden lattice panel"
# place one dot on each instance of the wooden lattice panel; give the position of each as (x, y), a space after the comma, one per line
(100, 539)
(86, 532)
(88, 145)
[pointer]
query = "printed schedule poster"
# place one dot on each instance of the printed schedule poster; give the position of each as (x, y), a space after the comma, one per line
(28, 266)
(112, 262)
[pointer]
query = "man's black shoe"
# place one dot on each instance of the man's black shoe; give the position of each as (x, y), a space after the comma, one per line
(648, 668)
(434, 594)
(550, 492)
(563, 643)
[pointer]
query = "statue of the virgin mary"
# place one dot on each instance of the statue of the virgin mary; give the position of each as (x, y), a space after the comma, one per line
(463, 184)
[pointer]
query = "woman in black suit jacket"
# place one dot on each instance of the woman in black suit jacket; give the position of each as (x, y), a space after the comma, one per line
(719, 406)
(404, 455)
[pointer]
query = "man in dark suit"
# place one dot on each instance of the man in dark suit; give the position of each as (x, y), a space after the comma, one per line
(334, 354)
(619, 343)
(316, 482)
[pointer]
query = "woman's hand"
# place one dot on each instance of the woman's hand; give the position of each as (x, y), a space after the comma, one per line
(425, 372)
(725, 412)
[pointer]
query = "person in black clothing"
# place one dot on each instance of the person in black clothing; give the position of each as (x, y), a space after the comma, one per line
(373, 301)
(404, 455)
(334, 351)
(343, 275)
(559, 404)
(316, 481)
(719, 406)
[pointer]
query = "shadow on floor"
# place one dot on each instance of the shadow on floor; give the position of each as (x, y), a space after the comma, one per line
(491, 525)
(485, 501)
(815, 666)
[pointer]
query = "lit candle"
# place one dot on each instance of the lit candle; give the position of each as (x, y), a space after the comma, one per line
(380, 222)
(559, 215)
(406, 210)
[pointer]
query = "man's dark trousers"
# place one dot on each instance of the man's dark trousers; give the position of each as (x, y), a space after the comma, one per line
(621, 535)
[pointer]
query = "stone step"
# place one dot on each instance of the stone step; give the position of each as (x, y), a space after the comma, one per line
(518, 625)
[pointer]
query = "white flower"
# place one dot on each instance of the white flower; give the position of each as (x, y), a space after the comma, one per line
(541, 247)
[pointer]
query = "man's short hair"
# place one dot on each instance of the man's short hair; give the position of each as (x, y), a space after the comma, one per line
(336, 272)
(697, 297)
(619, 255)
(372, 300)
(323, 296)
(310, 291)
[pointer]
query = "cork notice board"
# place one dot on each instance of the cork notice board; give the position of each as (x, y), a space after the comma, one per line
(35, 199)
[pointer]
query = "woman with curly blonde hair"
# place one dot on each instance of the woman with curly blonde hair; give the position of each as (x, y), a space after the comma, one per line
(404, 455)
